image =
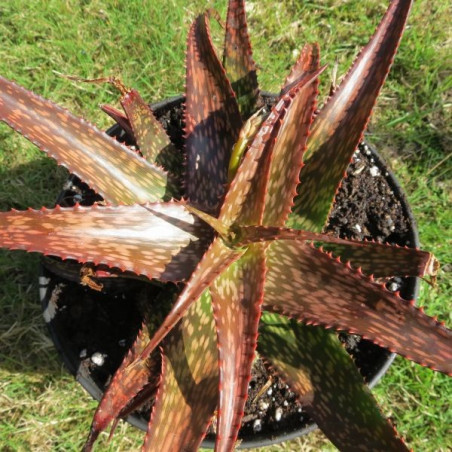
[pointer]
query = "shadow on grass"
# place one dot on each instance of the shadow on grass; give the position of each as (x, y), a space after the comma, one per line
(25, 344)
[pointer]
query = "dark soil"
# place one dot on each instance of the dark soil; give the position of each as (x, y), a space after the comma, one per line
(94, 329)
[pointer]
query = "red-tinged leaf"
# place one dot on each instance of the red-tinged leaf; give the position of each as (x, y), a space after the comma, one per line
(151, 138)
(377, 259)
(329, 385)
(246, 197)
(124, 388)
(308, 60)
(188, 393)
(382, 260)
(118, 174)
(120, 118)
(237, 297)
(156, 240)
(246, 182)
(339, 127)
(216, 260)
(305, 283)
(238, 58)
(288, 150)
(212, 121)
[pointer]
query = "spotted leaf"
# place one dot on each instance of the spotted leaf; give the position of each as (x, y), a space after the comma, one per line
(287, 154)
(305, 283)
(216, 260)
(151, 138)
(377, 259)
(237, 297)
(308, 60)
(246, 198)
(118, 174)
(339, 127)
(188, 392)
(238, 58)
(156, 240)
(212, 120)
(323, 374)
(124, 388)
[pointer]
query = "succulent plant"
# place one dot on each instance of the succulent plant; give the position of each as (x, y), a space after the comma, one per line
(218, 226)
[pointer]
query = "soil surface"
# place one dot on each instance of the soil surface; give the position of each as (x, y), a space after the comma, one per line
(95, 329)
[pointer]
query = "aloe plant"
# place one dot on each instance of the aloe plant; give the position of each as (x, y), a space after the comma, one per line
(247, 280)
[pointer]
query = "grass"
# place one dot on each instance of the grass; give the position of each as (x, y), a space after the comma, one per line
(41, 407)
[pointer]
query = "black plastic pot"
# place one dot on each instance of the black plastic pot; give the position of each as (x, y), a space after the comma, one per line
(67, 305)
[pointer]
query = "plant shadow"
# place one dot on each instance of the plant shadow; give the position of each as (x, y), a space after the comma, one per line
(25, 344)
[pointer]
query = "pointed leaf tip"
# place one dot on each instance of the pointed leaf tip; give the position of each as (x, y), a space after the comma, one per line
(151, 137)
(338, 128)
(238, 60)
(212, 121)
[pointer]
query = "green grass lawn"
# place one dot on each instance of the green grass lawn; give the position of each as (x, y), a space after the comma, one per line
(41, 407)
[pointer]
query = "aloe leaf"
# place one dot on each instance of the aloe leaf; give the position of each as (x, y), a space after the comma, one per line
(124, 387)
(118, 174)
(159, 240)
(377, 259)
(382, 260)
(246, 197)
(332, 390)
(305, 283)
(188, 392)
(308, 60)
(246, 183)
(151, 138)
(246, 137)
(339, 127)
(212, 121)
(287, 154)
(237, 297)
(238, 58)
(119, 117)
(216, 260)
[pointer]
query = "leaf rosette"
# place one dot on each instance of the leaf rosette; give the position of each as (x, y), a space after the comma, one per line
(250, 276)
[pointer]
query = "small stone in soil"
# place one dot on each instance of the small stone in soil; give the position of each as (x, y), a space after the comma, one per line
(374, 171)
(263, 405)
(257, 425)
(393, 286)
(98, 359)
(278, 414)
